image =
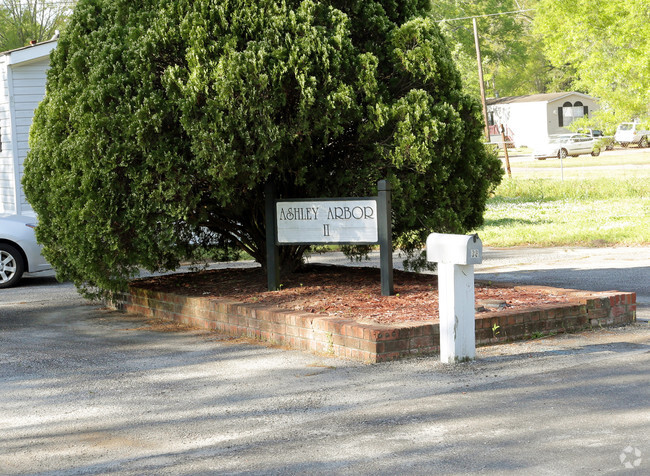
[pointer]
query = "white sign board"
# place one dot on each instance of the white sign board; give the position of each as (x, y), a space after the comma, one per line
(327, 221)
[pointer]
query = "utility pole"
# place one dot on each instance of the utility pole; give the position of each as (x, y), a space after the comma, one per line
(480, 79)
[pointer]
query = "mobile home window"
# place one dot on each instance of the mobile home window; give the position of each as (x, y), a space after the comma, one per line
(571, 112)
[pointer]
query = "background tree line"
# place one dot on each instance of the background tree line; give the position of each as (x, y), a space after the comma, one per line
(598, 47)
(23, 21)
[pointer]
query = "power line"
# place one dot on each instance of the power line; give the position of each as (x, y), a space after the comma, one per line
(41, 5)
(486, 15)
(47, 3)
(478, 55)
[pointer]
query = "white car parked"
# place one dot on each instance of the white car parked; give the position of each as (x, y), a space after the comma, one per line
(19, 251)
(564, 145)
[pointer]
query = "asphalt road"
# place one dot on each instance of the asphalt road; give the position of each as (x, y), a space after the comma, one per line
(85, 390)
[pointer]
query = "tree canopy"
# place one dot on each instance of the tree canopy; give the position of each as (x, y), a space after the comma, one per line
(605, 45)
(22, 21)
(512, 63)
(164, 119)
(598, 47)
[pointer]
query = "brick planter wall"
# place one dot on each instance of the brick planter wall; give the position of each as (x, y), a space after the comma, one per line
(374, 342)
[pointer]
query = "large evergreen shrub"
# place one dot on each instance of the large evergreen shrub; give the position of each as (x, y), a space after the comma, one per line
(164, 119)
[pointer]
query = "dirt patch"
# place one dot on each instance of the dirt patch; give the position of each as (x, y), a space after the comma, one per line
(348, 292)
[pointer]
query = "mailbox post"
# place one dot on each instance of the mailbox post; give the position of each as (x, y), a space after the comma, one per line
(456, 256)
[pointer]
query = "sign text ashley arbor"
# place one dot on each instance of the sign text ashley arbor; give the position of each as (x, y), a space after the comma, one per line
(327, 221)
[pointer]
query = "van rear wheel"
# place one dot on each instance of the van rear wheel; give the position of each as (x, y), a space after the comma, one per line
(643, 142)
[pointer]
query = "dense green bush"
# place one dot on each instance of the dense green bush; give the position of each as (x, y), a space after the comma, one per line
(164, 119)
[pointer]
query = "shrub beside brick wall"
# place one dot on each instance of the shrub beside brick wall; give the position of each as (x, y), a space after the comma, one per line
(374, 342)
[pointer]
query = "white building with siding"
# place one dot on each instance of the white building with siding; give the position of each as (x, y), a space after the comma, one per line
(530, 120)
(22, 87)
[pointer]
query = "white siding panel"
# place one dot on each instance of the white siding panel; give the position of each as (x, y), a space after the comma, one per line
(7, 203)
(5, 135)
(29, 90)
(24, 114)
(6, 157)
(25, 207)
(23, 147)
(24, 122)
(26, 83)
(6, 196)
(22, 133)
(5, 179)
(22, 75)
(27, 104)
(35, 67)
(29, 73)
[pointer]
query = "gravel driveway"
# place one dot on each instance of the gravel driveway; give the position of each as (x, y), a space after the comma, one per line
(85, 390)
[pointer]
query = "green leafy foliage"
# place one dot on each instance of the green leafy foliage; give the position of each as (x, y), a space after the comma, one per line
(512, 62)
(22, 21)
(606, 45)
(164, 119)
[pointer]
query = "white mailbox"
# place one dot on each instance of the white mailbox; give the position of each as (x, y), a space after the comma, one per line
(454, 249)
(456, 256)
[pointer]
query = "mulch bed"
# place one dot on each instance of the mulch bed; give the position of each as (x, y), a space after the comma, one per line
(348, 292)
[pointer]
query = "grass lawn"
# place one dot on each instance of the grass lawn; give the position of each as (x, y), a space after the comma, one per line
(602, 201)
